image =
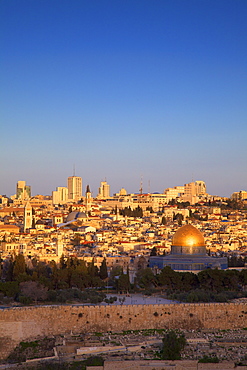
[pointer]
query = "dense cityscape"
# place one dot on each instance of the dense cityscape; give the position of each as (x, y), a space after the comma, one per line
(182, 245)
(122, 227)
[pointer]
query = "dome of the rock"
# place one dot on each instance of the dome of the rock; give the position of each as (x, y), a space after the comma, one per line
(188, 240)
(188, 235)
(188, 253)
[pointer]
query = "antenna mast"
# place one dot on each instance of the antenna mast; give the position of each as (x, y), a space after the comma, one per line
(141, 189)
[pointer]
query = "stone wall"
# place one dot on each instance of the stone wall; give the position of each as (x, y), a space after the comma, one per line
(26, 323)
(168, 365)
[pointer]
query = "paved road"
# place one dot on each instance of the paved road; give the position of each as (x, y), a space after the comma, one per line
(138, 299)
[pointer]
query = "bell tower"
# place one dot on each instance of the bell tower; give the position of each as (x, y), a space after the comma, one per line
(28, 216)
(88, 199)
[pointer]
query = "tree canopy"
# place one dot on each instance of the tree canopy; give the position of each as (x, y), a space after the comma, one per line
(173, 344)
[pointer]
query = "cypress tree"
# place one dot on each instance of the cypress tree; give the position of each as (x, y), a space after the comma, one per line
(103, 270)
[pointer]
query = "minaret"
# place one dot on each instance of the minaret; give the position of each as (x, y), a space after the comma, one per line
(28, 216)
(88, 199)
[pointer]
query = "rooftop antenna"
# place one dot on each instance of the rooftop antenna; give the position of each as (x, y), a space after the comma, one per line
(141, 189)
(74, 170)
(149, 186)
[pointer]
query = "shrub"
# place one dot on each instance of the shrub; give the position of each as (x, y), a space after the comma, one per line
(208, 359)
(52, 295)
(9, 288)
(25, 300)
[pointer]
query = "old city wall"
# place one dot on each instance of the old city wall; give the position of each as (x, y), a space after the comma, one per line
(27, 323)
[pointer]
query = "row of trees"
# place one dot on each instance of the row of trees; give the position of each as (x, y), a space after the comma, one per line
(212, 280)
(75, 273)
(236, 261)
(71, 272)
(127, 211)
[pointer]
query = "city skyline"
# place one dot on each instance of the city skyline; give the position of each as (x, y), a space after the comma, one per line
(76, 190)
(125, 91)
(142, 186)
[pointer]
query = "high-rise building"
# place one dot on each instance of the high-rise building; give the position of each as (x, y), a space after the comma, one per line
(104, 190)
(74, 187)
(60, 196)
(200, 188)
(194, 191)
(23, 191)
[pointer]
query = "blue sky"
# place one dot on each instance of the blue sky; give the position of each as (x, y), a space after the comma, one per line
(123, 90)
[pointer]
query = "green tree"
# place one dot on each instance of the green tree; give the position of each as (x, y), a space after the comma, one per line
(62, 262)
(76, 280)
(93, 273)
(163, 220)
(145, 278)
(62, 279)
(19, 266)
(103, 270)
(10, 288)
(211, 280)
(189, 281)
(243, 278)
(172, 202)
(153, 252)
(80, 277)
(116, 271)
(123, 283)
(231, 280)
(92, 269)
(179, 217)
(173, 344)
(1, 268)
(8, 268)
(170, 279)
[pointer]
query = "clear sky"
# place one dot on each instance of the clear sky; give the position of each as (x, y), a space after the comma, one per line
(123, 89)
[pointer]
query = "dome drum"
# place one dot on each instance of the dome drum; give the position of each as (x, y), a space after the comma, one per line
(201, 250)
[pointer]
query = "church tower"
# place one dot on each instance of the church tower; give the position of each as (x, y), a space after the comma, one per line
(88, 199)
(28, 216)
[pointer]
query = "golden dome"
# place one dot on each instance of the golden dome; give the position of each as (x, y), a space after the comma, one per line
(188, 236)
